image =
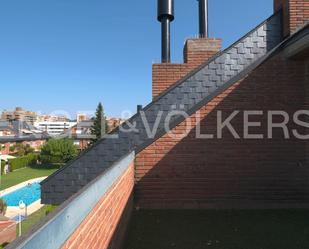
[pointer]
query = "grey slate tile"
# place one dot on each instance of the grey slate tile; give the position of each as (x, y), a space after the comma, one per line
(188, 93)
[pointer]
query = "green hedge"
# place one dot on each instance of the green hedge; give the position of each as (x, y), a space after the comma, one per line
(24, 161)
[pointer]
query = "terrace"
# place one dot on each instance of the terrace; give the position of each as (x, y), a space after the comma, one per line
(140, 191)
(195, 229)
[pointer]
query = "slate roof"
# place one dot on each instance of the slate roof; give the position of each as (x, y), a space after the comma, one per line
(189, 94)
(16, 127)
(85, 131)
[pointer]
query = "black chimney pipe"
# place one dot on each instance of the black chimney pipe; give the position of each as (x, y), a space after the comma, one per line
(166, 16)
(203, 18)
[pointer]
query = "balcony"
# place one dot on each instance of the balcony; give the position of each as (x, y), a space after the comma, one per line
(197, 229)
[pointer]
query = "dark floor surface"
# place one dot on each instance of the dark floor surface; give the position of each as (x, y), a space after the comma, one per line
(241, 229)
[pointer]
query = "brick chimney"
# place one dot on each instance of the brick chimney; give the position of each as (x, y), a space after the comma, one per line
(196, 52)
(295, 14)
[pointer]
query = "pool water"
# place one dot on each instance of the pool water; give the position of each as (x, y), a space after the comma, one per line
(28, 195)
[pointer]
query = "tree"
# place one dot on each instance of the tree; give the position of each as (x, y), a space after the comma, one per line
(3, 207)
(12, 148)
(22, 149)
(100, 126)
(58, 151)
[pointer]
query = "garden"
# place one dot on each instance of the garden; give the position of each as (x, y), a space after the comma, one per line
(29, 165)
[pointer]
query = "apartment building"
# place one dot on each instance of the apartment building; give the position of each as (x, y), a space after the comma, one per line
(19, 114)
(54, 128)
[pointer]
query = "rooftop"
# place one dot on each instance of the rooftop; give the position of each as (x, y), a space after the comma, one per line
(217, 229)
(131, 170)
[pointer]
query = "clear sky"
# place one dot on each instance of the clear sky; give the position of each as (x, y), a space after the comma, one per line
(71, 54)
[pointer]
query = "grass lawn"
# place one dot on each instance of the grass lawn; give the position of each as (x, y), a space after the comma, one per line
(25, 174)
(34, 218)
(241, 229)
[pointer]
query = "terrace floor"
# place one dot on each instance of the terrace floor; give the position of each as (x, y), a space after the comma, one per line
(233, 229)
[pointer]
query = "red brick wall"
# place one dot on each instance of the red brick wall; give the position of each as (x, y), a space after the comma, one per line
(5, 148)
(7, 231)
(196, 52)
(296, 13)
(192, 173)
(106, 224)
(165, 75)
(36, 145)
(299, 13)
(84, 144)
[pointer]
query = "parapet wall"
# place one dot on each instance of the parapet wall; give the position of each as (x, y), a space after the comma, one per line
(97, 215)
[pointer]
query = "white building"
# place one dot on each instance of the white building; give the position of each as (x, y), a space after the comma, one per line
(54, 128)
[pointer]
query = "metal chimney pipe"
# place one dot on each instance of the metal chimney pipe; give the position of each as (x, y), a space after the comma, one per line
(166, 16)
(203, 18)
(139, 108)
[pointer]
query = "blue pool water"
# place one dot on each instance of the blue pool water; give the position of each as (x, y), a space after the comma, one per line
(28, 195)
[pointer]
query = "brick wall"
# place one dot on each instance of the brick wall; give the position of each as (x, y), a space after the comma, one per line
(7, 231)
(296, 13)
(5, 148)
(164, 75)
(196, 52)
(84, 144)
(105, 226)
(37, 144)
(299, 13)
(191, 173)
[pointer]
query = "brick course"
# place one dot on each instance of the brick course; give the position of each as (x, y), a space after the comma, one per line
(7, 231)
(191, 173)
(196, 52)
(105, 226)
(5, 148)
(296, 13)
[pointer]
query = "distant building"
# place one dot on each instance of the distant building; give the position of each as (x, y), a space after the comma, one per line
(81, 117)
(52, 118)
(54, 128)
(81, 132)
(13, 132)
(114, 122)
(19, 114)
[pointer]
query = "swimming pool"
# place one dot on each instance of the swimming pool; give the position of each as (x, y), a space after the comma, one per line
(28, 194)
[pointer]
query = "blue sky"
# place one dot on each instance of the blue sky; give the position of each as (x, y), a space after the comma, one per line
(71, 54)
